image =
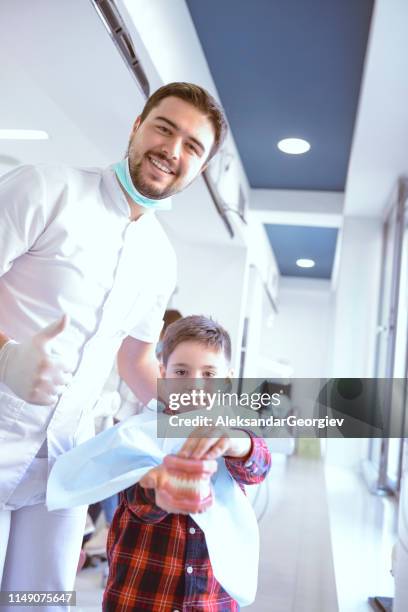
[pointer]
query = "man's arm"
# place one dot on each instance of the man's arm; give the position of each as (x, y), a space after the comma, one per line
(139, 368)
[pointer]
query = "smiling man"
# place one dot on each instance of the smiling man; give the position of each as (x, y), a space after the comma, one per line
(170, 143)
(86, 272)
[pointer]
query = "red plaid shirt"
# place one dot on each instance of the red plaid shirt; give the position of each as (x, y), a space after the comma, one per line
(159, 561)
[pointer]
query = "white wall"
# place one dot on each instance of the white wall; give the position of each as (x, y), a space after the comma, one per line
(211, 281)
(357, 291)
(302, 329)
(355, 319)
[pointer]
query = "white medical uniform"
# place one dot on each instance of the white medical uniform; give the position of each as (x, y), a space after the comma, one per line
(67, 245)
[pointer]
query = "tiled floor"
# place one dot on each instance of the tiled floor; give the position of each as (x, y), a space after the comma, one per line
(325, 542)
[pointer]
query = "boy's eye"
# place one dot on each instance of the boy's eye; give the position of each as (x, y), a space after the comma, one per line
(180, 372)
(209, 374)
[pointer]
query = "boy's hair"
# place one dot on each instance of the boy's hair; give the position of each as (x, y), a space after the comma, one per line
(196, 328)
(198, 97)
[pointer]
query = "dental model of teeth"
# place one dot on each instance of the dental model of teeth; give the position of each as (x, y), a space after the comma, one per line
(189, 480)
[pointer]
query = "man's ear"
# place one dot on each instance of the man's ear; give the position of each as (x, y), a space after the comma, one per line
(204, 167)
(162, 370)
(136, 124)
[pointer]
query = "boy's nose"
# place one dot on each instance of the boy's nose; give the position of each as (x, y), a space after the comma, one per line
(196, 381)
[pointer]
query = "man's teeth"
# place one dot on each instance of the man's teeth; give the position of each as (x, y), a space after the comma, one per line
(159, 165)
(198, 486)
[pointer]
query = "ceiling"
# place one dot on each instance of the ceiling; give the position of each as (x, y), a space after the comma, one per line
(288, 69)
(292, 242)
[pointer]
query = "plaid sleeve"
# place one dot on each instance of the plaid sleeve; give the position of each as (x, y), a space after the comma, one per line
(253, 468)
(141, 503)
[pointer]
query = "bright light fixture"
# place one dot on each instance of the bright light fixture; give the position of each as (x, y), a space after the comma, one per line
(23, 135)
(294, 146)
(305, 263)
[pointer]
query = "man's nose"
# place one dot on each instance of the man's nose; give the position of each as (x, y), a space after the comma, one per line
(172, 148)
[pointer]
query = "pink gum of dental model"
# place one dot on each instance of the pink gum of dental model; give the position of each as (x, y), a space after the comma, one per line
(189, 481)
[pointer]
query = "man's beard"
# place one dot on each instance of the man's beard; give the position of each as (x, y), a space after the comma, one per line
(145, 188)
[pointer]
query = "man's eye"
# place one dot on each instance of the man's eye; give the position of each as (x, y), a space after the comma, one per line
(180, 372)
(209, 374)
(163, 129)
(192, 148)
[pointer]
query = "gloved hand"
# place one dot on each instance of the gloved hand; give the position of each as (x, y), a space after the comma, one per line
(32, 370)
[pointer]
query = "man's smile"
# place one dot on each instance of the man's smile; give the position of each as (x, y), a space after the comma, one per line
(160, 164)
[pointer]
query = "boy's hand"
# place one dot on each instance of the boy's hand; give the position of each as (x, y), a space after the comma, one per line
(215, 442)
(155, 479)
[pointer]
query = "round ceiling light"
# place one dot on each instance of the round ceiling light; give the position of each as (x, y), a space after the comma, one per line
(305, 263)
(294, 146)
(23, 135)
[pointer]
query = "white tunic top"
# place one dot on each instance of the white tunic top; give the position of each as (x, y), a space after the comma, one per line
(67, 245)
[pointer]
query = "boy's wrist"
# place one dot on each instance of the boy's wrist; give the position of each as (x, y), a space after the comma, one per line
(240, 448)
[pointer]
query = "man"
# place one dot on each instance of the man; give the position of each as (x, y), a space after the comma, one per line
(83, 265)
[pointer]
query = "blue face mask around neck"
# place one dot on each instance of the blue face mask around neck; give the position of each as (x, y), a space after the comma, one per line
(122, 172)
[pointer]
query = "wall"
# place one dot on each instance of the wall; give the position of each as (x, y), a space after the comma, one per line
(357, 291)
(301, 332)
(211, 282)
(355, 319)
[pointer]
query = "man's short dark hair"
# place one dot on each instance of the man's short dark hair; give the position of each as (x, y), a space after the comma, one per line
(196, 328)
(199, 98)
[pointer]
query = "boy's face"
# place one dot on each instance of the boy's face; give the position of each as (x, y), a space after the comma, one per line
(192, 366)
(193, 360)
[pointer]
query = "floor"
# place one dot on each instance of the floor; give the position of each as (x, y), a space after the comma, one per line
(89, 590)
(363, 533)
(325, 542)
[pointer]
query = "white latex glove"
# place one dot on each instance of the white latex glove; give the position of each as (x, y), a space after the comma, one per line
(32, 370)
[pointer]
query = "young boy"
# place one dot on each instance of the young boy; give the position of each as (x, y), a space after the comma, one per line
(158, 557)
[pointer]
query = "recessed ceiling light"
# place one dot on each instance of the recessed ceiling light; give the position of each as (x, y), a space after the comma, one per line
(23, 135)
(294, 146)
(305, 263)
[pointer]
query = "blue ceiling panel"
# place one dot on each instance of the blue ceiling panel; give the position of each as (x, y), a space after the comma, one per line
(292, 242)
(287, 68)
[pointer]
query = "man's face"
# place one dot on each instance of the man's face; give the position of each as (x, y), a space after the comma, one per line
(169, 149)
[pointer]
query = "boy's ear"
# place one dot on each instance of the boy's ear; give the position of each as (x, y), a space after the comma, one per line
(162, 370)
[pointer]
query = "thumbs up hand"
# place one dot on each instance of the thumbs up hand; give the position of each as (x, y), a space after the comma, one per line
(32, 370)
